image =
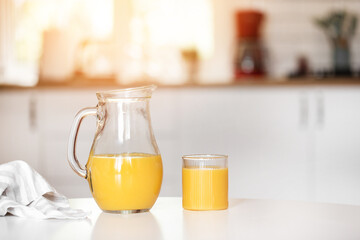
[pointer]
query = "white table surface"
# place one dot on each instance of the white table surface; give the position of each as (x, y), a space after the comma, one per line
(245, 219)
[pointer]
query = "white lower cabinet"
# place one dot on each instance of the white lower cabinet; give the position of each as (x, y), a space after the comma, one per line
(164, 108)
(294, 143)
(337, 146)
(19, 138)
(56, 112)
(259, 128)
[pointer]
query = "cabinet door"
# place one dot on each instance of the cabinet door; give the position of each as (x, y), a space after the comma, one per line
(19, 129)
(57, 109)
(337, 152)
(164, 107)
(260, 129)
(270, 145)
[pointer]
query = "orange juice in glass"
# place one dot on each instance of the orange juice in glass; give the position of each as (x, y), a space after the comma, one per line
(205, 182)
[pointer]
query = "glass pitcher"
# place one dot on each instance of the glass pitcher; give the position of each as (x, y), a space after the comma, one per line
(124, 169)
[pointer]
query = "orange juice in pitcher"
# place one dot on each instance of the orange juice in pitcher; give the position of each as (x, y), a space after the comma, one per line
(124, 168)
(125, 181)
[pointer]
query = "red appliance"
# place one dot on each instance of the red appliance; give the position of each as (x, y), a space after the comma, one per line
(249, 53)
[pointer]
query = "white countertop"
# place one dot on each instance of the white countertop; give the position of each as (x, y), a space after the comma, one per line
(245, 219)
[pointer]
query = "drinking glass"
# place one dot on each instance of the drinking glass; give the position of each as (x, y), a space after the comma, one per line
(205, 182)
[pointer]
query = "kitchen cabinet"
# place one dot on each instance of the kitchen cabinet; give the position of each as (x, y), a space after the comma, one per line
(18, 126)
(295, 142)
(56, 110)
(336, 157)
(165, 120)
(259, 128)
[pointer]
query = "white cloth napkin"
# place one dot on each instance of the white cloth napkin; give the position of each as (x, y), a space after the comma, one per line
(25, 193)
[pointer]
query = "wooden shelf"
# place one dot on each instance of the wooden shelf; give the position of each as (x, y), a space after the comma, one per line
(260, 82)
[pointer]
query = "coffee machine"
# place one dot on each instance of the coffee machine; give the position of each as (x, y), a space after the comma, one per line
(249, 51)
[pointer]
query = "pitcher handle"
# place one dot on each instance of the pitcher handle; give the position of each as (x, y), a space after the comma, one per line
(71, 154)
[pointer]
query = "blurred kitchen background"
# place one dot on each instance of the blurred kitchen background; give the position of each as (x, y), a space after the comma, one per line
(275, 84)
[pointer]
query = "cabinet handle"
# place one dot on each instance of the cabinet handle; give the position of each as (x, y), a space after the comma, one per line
(304, 110)
(32, 113)
(320, 109)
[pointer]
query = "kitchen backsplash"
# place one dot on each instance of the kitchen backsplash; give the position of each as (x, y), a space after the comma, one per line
(289, 32)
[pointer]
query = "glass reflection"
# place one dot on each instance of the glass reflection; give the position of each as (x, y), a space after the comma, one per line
(134, 226)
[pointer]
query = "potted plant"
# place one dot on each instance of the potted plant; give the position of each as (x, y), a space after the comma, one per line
(340, 27)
